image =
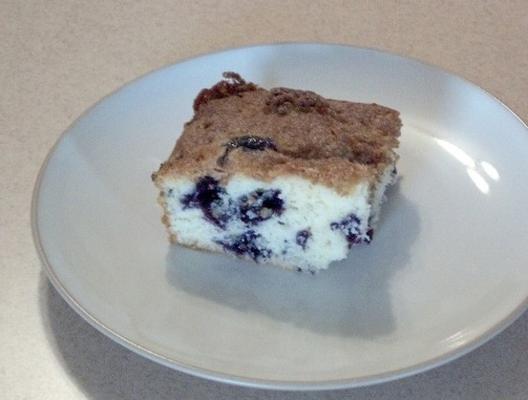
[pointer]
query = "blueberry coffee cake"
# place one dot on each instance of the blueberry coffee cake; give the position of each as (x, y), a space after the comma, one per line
(280, 176)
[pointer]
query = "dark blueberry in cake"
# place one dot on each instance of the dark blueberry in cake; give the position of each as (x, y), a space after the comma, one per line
(248, 243)
(212, 199)
(350, 226)
(205, 193)
(370, 233)
(252, 143)
(260, 205)
(302, 237)
(255, 143)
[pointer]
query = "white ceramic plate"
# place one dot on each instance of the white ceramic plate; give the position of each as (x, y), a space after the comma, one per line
(447, 270)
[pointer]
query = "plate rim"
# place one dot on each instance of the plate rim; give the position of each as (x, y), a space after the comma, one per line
(219, 376)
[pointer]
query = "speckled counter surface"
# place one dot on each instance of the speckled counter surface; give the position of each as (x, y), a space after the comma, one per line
(59, 57)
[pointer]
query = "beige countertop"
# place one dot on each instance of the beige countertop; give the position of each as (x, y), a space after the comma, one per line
(59, 57)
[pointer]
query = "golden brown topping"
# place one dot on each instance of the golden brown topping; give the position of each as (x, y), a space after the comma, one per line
(326, 141)
(233, 84)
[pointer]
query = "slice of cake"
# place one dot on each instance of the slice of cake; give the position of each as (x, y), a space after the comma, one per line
(278, 176)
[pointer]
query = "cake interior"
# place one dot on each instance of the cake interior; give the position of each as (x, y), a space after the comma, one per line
(289, 221)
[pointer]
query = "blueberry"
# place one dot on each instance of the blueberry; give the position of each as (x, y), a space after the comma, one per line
(218, 208)
(205, 193)
(260, 205)
(247, 243)
(302, 237)
(252, 143)
(255, 143)
(350, 226)
(212, 199)
(370, 233)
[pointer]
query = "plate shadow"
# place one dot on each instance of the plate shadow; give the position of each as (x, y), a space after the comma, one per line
(104, 370)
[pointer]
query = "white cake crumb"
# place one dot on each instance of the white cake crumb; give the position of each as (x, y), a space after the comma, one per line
(308, 233)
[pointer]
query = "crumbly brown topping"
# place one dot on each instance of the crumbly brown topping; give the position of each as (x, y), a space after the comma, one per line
(285, 132)
(283, 100)
(233, 84)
